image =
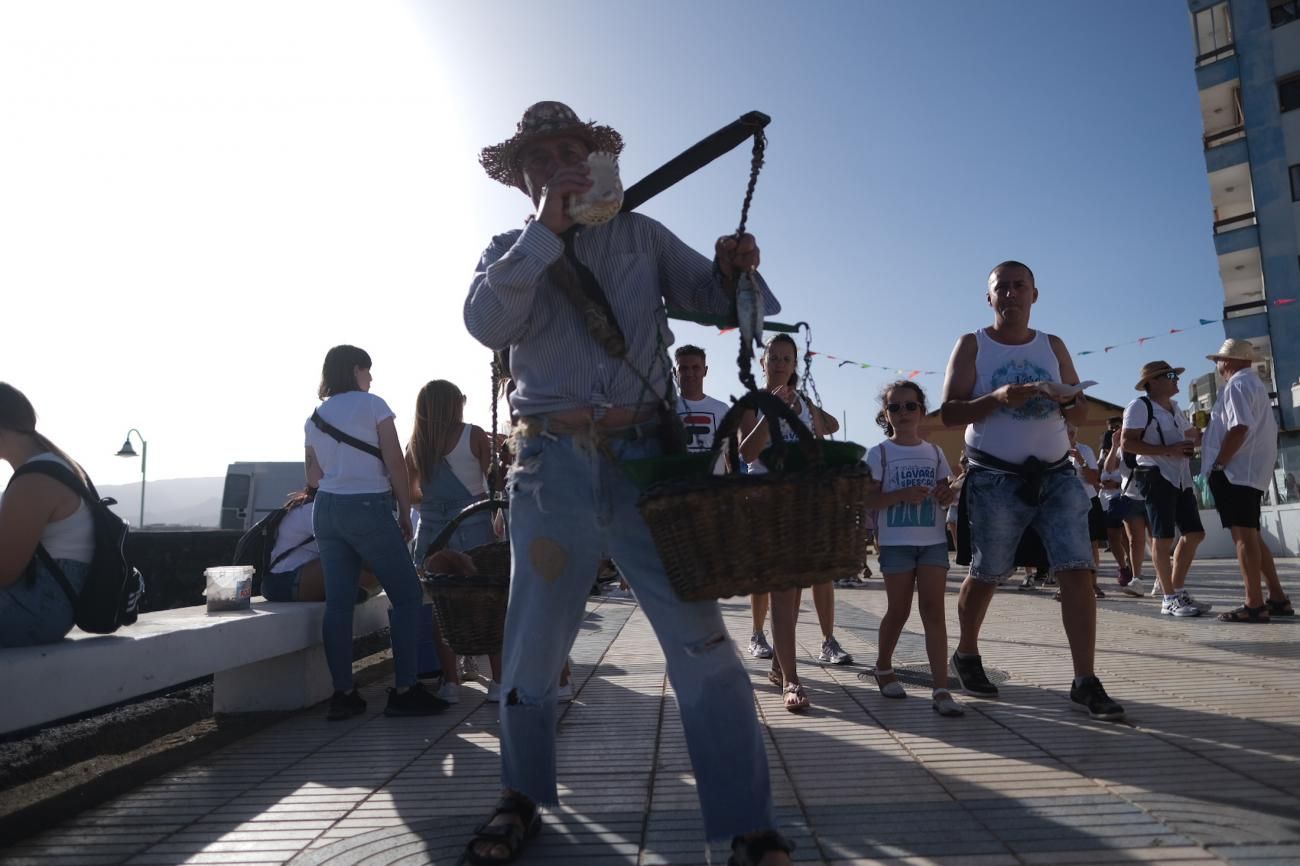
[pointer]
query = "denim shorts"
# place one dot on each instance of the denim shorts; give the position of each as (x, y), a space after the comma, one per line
(282, 585)
(999, 517)
(902, 558)
(37, 611)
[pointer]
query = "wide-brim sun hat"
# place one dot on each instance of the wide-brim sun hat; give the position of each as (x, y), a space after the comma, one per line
(1236, 350)
(544, 120)
(1155, 368)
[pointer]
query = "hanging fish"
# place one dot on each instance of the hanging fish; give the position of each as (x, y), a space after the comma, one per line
(749, 310)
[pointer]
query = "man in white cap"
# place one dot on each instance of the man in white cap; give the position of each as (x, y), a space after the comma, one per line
(1240, 450)
(1155, 431)
(581, 310)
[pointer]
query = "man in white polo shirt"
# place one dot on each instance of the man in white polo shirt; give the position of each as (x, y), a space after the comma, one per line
(1240, 450)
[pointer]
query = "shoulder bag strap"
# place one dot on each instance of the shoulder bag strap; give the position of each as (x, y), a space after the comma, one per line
(338, 435)
(306, 541)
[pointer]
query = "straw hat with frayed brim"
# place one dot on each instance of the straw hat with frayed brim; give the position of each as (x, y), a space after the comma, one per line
(1153, 369)
(544, 120)
(1235, 350)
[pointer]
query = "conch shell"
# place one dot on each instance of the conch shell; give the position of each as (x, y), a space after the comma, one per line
(603, 201)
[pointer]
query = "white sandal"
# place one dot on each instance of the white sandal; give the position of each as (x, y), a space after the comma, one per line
(943, 703)
(889, 690)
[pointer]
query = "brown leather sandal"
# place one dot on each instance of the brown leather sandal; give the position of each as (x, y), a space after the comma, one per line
(795, 698)
(1246, 614)
(512, 837)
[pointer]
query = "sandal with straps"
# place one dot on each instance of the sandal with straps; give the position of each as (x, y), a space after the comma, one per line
(775, 675)
(510, 836)
(1246, 614)
(892, 689)
(1280, 608)
(750, 850)
(796, 699)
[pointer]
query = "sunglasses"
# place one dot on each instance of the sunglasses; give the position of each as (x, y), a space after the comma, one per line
(910, 405)
(1169, 374)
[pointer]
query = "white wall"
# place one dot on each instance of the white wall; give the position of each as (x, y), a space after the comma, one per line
(1280, 526)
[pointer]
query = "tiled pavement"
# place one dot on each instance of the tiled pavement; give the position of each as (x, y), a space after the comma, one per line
(1206, 771)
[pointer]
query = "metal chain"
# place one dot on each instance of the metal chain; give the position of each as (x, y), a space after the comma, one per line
(494, 467)
(807, 364)
(755, 166)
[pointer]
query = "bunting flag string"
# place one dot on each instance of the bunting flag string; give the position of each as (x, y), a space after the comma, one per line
(913, 374)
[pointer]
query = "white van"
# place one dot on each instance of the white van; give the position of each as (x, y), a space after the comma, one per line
(254, 490)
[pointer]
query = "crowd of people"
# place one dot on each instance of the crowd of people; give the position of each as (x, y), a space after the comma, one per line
(578, 309)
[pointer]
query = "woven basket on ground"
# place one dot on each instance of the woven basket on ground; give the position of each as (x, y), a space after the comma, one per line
(471, 609)
(721, 536)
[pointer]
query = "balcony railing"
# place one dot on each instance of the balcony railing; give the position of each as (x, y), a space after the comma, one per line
(1284, 13)
(1224, 136)
(1236, 222)
(1220, 52)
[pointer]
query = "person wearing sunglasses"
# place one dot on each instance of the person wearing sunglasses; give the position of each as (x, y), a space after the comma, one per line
(1020, 477)
(911, 498)
(1155, 431)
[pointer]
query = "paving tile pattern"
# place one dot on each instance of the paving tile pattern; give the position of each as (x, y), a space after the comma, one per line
(1207, 769)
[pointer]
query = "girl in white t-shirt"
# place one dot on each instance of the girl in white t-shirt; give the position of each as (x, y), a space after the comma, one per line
(1127, 511)
(911, 498)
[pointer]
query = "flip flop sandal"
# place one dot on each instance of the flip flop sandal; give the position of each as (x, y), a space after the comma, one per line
(892, 689)
(750, 850)
(1246, 614)
(796, 701)
(942, 703)
(512, 836)
(1280, 608)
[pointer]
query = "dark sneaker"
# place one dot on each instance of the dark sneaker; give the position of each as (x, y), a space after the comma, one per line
(345, 705)
(1091, 698)
(415, 701)
(971, 677)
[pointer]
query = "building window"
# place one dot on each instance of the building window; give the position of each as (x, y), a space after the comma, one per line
(1283, 12)
(1295, 183)
(1288, 93)
(1213, 33)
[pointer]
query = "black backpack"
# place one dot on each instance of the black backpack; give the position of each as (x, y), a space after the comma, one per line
(110, 598)
(1131, 460)
(255, 545)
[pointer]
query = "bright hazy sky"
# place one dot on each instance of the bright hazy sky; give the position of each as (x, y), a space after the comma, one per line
(199, 199)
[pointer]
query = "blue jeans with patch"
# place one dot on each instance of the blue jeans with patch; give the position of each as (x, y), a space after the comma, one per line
(357, 528)
(38, 611)
(998, 517)
(570, 506)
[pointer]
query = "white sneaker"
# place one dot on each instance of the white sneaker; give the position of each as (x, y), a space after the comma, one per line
(1156, 590)
(1176, 606)
(1132, 588)
(450, 692)
(494, 693)
(758, 646)
(564, 694)
(1203, 607)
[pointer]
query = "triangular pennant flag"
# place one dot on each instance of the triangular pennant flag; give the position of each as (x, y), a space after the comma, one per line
(1208, 321)
(1281, 302)
(841, 363)
(913, 374)
(1086, 352)
(866, 366)
(1108, 348)
(1142, 340)
(1175, 330)
(725, 330)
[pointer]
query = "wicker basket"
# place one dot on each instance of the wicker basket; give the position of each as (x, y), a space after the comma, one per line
(471, 610)
(722, 536)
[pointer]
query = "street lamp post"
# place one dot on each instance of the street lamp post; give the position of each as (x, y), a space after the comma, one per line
(128, 451)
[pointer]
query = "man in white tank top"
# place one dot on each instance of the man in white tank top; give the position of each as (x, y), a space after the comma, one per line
(1020, 477)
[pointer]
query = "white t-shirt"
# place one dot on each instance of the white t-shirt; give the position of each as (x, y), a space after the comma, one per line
(701, 419)
(1036, 429)
(73, 537)
(1244, 402)
(1107, 495)
(1090, 462)
(1173, 426)
(347, 469)
(295, 528)
(910, 466)
(805, 415)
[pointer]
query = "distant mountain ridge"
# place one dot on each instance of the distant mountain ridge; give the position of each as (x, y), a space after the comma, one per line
(172, 501)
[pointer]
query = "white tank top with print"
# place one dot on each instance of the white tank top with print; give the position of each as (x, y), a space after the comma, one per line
(1036, 429)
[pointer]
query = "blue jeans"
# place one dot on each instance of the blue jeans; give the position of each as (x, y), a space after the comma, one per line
(999, 517)
(571, 506)
(38, 611)
(352, 529)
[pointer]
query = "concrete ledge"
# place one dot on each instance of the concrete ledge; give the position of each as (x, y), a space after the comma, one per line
(84, 672)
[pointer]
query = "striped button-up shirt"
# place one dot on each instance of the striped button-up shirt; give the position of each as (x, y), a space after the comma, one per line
(555, 363)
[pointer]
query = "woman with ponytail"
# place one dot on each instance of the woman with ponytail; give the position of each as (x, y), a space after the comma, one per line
(38, 510)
